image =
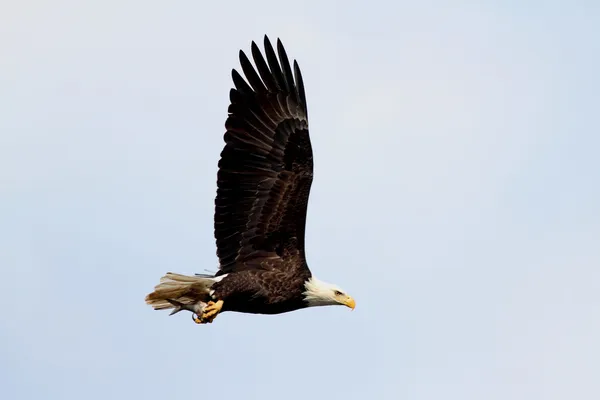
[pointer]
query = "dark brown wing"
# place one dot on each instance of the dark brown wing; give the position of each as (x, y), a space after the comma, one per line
(266, 167)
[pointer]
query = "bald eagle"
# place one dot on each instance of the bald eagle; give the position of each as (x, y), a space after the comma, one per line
(263, 183)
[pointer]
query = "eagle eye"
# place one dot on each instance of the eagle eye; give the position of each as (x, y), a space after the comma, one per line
(338, 293)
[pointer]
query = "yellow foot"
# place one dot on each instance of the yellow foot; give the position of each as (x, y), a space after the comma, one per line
(209, 313)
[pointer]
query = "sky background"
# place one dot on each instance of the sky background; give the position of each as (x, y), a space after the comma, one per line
(456, 197)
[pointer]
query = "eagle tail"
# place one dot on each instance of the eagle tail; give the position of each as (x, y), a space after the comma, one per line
(181, 292)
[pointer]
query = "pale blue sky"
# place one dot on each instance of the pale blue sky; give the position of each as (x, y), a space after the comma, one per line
(456, 196)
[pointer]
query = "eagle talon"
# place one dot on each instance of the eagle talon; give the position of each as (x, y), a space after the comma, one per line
(211, 311)
(196, 319)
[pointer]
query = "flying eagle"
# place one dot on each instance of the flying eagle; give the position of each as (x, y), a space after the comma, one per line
(263, 184)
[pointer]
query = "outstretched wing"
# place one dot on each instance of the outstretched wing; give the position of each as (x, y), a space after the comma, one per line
(266, 167)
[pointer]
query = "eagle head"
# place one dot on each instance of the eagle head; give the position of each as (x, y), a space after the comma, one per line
(319, 293)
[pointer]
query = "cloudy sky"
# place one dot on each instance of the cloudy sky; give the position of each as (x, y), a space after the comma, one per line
(456, 196)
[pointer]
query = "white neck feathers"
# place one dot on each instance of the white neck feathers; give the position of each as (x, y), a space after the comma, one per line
(319, 293)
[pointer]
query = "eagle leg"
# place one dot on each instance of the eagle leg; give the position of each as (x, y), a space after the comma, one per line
(209, 313)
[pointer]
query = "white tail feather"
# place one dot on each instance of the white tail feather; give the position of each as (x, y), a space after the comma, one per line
(182, 292)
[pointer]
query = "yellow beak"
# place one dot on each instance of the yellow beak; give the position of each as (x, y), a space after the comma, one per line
(350, 302)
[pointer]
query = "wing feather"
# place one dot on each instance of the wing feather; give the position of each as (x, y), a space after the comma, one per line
(263, 69)
(285, 66)
(274, 65)
(251, 74)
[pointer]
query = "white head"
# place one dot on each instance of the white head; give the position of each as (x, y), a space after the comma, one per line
(320, 293)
